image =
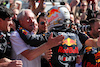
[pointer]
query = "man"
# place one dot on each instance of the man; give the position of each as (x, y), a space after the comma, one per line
(30, 56)
(91, 56)
(42, 23)
(15, 12)
(42, 28)
(5, 47)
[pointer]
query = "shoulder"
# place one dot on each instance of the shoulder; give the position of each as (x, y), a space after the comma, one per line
(14, 33)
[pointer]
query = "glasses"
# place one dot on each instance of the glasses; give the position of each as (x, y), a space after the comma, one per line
(84, 5)
(42, 23)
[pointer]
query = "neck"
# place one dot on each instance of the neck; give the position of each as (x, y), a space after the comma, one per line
(39, 31)
(93, 35)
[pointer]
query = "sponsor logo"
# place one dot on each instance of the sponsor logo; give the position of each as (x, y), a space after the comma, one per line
(52, 12)
(52, 18)
(97, 57)
(88, 49)
(69, 42)
(64, 60)
(68, 50)
(92, 65)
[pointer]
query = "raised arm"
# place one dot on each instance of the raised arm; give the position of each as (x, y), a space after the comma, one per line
(39, 8)
(73, 5)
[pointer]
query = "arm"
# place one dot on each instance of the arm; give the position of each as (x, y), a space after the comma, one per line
(95, 5)
(73, 5)
(32, 4)
(38, 9)
(91, 42)
(19, 3)
(32, 54)
(88, 41)
(33, 40)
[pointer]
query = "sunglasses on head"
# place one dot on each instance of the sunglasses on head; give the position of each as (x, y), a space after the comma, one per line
(42, 23)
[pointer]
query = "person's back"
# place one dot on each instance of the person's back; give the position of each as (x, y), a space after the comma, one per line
(65, 54)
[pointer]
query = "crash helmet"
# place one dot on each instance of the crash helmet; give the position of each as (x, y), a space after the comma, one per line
(58, 16)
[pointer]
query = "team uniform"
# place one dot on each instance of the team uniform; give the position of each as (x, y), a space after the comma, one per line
(65, 54)
(5, 45)
(91, 57)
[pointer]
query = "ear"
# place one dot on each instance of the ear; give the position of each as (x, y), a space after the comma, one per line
(20, 21)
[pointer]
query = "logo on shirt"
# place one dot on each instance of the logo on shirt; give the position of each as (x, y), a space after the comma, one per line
(69, 42)
(97, 57)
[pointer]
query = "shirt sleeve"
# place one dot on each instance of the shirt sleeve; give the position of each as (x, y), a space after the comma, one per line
(17, 43)
(82, 37)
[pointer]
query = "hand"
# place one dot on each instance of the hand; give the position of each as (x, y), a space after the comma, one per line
(5, 60)
(95, 1)
(98, 42)
(75, 2)
(54, 41)
(78, 59)
(15, 63)
(48, 54)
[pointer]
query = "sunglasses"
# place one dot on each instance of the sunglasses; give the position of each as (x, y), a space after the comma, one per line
(84, 5)
(42, 23)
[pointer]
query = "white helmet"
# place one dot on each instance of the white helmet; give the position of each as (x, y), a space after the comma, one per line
(57, 16)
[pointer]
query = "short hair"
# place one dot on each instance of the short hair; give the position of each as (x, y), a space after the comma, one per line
(5, 12)
(22, 13)
(41, 15)
(98, 13)
(93, 20)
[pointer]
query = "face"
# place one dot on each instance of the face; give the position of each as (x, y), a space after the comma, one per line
(15, 12)
(96, 27)
(28, 21)
(83, 6)
(42, 24)
(11, 1)
(5, 25)
(35, 28)
(77, 21)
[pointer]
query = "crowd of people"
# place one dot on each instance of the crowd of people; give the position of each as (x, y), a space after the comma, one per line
(67, 35)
